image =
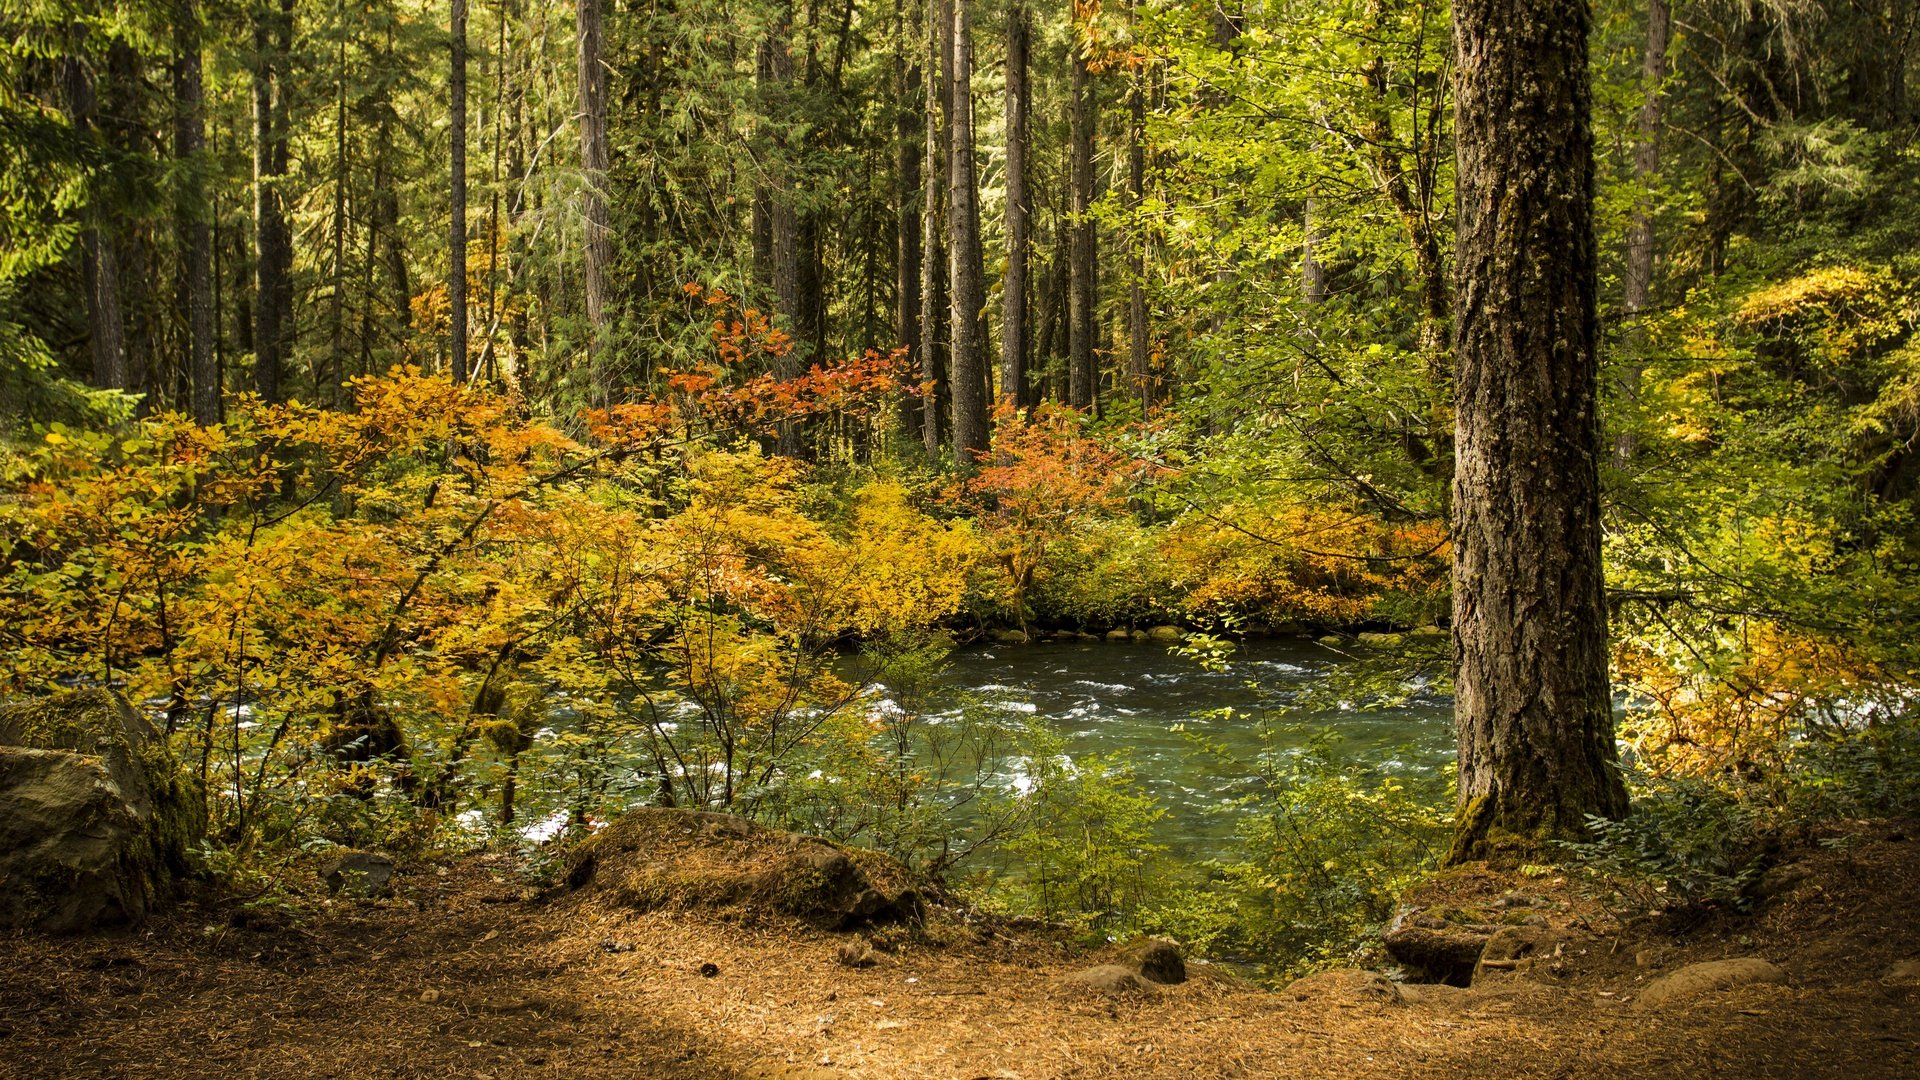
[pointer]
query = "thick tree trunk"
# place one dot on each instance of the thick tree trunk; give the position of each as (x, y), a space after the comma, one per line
(457, 183)
(337, 306)
(963, 220)
(1082, 268)
(106, 333)
(595, 160)
(1640, 247)
(1015, 346)
(1139, 350)
(933, 289)
(191, 215)
(1532, 699)
(907, 197)
(273, 238)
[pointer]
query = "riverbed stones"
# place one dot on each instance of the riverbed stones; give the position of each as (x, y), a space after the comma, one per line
(653, 857)
(1167, 634)
(1122, 634)
(1715, 976)
(96, 817)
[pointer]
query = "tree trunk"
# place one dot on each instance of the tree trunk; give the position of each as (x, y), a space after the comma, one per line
(1082, 268)
(106, 340)
(933, 295)
(337, 309)
(191, 215)
(1640, 249)
(1139, 359)
(907, 137)
(273, 239)
(1015, 346)
(963, 221)
(457, 183)
(595, 160)
(1532, 700)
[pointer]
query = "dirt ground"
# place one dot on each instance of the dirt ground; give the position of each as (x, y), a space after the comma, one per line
(467, 973)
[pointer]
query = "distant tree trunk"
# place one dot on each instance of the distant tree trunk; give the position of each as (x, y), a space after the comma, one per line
(191, 215)
(273, 239)
(1139, 350)
(1015, 345)
(1082, 265)
(457, 176)
(1640, 246)
(595, 160)
(963, 221)
(907, 138)
(1532, 699)
(106, 340)
(337, 307)
(1313, 273)
(933, 294)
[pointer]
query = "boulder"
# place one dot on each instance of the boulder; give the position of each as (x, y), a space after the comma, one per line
(96, 817)
(1368, 637)
(1155, 959)
(1120, 635)
(1696, 980)
(1010, 637)
(658, 858)
(1111, 979)
(1438, 950)
(1165, 633)
(358, 873)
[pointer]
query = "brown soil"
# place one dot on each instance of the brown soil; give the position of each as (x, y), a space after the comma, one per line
(466, 973)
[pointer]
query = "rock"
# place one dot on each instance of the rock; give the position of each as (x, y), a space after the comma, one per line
(1010, 637)
(1331, 641)
(1903, 974)
(1165, 633)
(1344, 984)
(1383, 640)
(1429, 631)
(653, 857)
(358, 873)
(1139, 635)
(96, 816)
(1154, 959)
(1111, 979)
(1119, 635)
(1439, 951)
(1780, 881)
(1695, 980)
(855, 954)
(1514, 949)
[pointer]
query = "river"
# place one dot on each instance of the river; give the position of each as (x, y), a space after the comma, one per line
(1130, 696)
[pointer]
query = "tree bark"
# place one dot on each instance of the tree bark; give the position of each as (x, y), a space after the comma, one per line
(1015, 345)
(933, 295)
(457, 183)
(191, 215)
(337, 308)
(963, 221)
(907, 138)
(1532, 700)
(1139, 351)
(1640, 246)
(106, 337)
(273, 238)
(1082, 268)
(595, 160)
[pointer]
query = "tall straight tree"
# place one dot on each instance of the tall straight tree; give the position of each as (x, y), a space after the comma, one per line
(1139, 359)
(191, 215)
(106, 337)
(1082, 267)
(907, 138)
(457, 184)
(273, 236)
(1532, 700)
(933, 277)
(1640, 249)
(595, 160)
(969, 365)
(1014, 331)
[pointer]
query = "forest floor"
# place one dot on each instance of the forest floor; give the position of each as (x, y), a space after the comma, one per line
(466, 972)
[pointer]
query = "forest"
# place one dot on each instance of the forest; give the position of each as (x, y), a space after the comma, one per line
(455, 425)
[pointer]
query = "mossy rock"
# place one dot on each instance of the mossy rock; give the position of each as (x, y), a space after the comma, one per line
(659, 858)
(96, 816)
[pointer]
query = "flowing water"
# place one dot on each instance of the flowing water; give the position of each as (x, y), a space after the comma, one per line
(1110, 696)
